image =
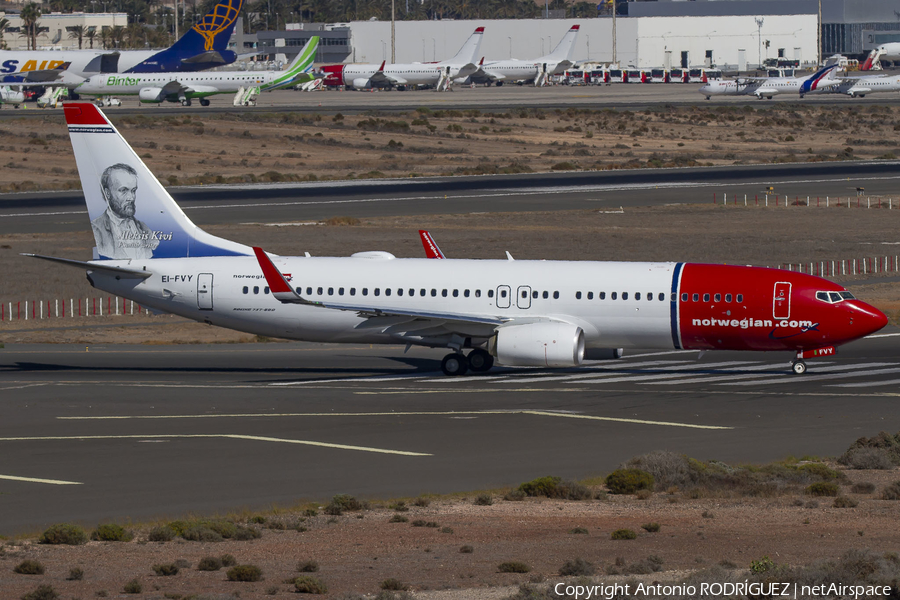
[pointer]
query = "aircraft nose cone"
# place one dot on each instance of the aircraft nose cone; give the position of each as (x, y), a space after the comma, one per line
(868, 319)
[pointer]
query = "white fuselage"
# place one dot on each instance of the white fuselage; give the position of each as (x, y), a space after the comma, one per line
(760, 88)
(639, 316)
(411, 74)
(84, 62)
(203, 83)
(860, 86)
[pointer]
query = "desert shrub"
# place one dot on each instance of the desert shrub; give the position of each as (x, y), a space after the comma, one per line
(308, 566)
(466, 549)
(513, 567)
(209, 563)
(432, 524)
(246, 533)
(399, 506)
(133, 587)
(161, 534)
(310, 512)
(29, 567)
(75, 574)
(244, 573)
(110, 532)
(542, 486)
(419, 523)
(446, 530)
(863, 488)
(257, 519)
(422, 502)
(667, 468)
(651, 564)
(42, 592)
(845, 502)
(343, 502)
(398, 519)
(822, 488)
(821, 472)
(514, 496)
(307, 584)
(867, 458)
(628, 481)
(64, 533)
(166, 570)
(577, 568)
(888, 444)
(571, 490)
(579, 531)
(483, 500)
(201, 534)
(891, 492)
(228, 560)
(394, 585)
(623, 534)
(650, 527)
(762, 565)
(643, 494)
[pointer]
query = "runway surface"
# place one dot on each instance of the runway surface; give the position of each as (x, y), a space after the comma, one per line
(131, 432)
(635, 97)
(754, 184)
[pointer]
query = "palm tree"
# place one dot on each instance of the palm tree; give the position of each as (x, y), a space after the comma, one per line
(90, 34)
(4, 23)
(117, 36)
(76, 32)
(30, 14)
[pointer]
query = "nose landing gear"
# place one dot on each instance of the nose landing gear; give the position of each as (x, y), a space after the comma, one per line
(798, 367)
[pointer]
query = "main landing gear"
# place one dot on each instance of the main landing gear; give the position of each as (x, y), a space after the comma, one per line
(798, 367)
(457, 364)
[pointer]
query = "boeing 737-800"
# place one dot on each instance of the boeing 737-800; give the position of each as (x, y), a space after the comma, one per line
(204, 46)
(519, 313)
(767, 87)
(500, 71)
(182, 87)
(402, 76)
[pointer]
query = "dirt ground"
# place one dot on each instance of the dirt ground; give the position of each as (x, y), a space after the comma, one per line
(356, 552)
(259, 146)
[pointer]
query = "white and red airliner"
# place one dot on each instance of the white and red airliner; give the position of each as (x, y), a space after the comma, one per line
(519, 313)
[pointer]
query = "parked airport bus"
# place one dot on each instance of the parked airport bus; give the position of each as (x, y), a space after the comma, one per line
(659, 76)
(636, 76)
(618, 76)
(678, 76)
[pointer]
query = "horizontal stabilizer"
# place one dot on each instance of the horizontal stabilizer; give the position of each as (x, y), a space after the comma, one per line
(109, 269)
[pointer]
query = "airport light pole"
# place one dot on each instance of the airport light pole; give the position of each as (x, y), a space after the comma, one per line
(759, 24)
(614, 33)
(819, 36)
(510, 45)
(393, 38)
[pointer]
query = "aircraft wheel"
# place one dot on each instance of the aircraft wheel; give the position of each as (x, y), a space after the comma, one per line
(499, 83)
(454, 364)
(798, 367)
(480, 360)
(186, 102)
(204, 102)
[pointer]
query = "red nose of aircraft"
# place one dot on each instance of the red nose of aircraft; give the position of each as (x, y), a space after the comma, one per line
(865, 319)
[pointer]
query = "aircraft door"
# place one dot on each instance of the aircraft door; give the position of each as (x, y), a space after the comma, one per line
(205, 291)
(523, 296)
(781, 303)
(503, 294)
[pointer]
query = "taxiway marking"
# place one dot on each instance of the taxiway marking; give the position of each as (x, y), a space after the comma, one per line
(37, 480)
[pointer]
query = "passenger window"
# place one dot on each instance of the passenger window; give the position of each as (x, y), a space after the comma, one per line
(650, 296)
(478, 293)
(319, 291)
(387, 291)
(490, 293)
(637, 295)
(331, 291)
(433, 292)
(503, 293)
(466, 293)
(365, 291)
(456, 293)
(340, 291)
(706, 297)
(546, 295)
(624, 295)
(613, 296)
(602, 295)
(352, 291)
(695, 298)
(718, 297)
(266, 290)
(444, 293)
(299, 291)
(377, 291)
(399, 291)
(590, 295)
(309, 291)
(578, 295)
(835, 297)
(556, 295)
(246, 289)
(662, 296)
(534, 294)
(740, 297)
(727, 297)
(412, 292)
(684, 297)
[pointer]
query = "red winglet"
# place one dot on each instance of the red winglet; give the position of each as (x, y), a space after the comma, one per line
(481, 62)
(381, 68)
(83, 113)
(277, 283)
(479, 30)
(431, 248)
(575, 27)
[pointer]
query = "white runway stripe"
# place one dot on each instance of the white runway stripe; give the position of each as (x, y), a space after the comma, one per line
(683, 371)
(866, 384)
(597, 373)
(737, 373)
(36, 480)
(813, 377)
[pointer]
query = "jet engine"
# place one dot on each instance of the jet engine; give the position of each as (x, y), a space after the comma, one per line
(9, 96)
(151, 94)
(544, 344)
(361, 83)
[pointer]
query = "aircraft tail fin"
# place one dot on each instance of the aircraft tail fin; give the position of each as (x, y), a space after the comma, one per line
(815, 81)
(132, 215)
(203, 46)
(469, 50)
(870, 61)
(563, 50)
(431, 247)
(300, 68)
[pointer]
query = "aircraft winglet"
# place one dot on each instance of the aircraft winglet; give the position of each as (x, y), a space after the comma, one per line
(381, 68)
(278, 285)
(431, 247)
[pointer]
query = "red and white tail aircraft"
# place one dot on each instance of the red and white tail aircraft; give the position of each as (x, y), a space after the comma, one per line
(889, 51)
(537, 70)
(519, 313)
(402, 76)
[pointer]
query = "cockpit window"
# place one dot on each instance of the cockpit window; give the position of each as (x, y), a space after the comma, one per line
(835, 297)
(823, 296)
(847, 296)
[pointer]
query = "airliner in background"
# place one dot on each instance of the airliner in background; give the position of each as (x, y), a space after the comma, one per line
(858, 86)
(514, 312)
(403, 76)
(768, 87)
(12, 96)
(183, 87)
(203, 46)
(536, 70)
(889, 51)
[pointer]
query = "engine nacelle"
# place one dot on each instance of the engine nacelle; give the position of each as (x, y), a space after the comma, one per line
(8, 96)
(361, 83)
(150, 94)
(547, 344)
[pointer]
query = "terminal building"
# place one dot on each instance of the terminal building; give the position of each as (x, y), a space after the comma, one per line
(55, 29)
